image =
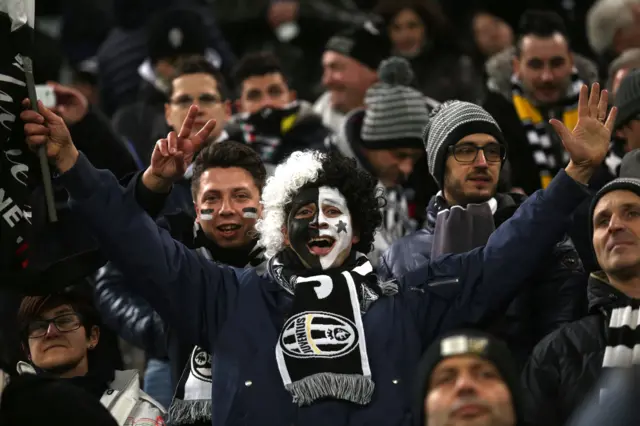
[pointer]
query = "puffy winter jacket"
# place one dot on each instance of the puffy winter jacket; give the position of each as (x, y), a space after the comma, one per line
(128, 314)
(566, 364)
(554, 296)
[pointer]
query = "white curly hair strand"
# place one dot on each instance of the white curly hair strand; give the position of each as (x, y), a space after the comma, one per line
(299, 169)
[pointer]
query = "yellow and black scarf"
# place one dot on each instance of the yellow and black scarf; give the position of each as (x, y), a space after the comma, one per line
(549, 157)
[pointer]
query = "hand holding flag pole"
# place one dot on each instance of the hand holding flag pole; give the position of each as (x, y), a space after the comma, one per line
(21, 13)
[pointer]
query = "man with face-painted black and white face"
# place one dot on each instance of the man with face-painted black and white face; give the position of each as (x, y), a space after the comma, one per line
(319, 227)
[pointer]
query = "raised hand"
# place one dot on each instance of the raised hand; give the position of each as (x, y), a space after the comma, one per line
(72, 105)
(172, 155)
(588, 143)
(44, 128)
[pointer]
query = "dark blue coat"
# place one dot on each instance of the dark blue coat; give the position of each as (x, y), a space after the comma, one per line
(555, 295)
(238, 314)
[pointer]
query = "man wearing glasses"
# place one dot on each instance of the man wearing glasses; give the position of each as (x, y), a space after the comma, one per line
(466, 151)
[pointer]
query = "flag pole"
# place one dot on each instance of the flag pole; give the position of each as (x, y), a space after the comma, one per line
(28, 12)
(27, 63)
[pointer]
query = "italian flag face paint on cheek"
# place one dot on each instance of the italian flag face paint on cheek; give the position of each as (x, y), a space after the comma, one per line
(250, 213)
(206, 214)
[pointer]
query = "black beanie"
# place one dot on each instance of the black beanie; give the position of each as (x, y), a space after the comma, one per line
(33, 401)
(366, 44)
(176, 32)
(468, 342)
(628, 99)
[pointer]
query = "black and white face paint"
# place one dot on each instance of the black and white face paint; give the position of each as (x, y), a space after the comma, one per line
(320, 227)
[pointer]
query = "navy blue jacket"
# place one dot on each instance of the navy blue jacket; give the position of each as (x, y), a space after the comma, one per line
(554, 296)
(237, 314)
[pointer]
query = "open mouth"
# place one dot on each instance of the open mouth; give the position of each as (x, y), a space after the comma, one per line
(229, 229)
(321, 246)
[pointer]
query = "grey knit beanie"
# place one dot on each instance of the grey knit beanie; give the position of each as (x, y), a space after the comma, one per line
(628, 99)
(395, 114)
(450, 122)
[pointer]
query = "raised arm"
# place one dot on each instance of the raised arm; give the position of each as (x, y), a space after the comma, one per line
(492, 275)
(189, 292)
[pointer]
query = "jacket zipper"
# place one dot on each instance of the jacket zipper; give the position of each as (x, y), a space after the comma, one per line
(444, 282)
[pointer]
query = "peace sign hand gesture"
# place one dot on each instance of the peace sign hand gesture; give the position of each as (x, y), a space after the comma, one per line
(172, 155)
(589, 141)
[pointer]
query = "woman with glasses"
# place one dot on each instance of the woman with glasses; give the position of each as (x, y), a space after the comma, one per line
(60, 334)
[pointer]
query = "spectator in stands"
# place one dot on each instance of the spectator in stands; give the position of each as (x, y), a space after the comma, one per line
(385, 137)
(620, 67)
(613, 27)
(61, 336)
(491, 33)
(270, 119)
(628, 103)
(197, 82)
(540, 81)
(466, 152)
(468, 377)
(122, 52)
(350, 61)
(228, 179)
(420, 32)
(96, 135)
(567, 364)
(174, 36)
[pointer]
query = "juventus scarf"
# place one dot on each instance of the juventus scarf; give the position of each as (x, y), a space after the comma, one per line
(548, 155)
(192, 400)
(322, 350)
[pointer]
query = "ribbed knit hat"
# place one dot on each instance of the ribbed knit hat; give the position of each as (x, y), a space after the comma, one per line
(628, 99)
(468, 342)
(366, 44)
(450, 122)
(395, 114)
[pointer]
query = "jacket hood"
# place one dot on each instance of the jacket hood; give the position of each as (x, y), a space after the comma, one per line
(602, 296)
(499, 69)
(348, 137)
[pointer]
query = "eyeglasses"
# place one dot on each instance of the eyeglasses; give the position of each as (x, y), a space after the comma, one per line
(466, 153)
(64, 323)
(206, 100)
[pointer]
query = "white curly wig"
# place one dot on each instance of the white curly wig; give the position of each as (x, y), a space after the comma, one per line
(299, 169)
